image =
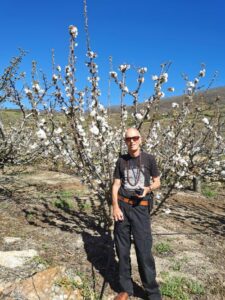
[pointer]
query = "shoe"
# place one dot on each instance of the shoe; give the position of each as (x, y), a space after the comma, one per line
(122, 296)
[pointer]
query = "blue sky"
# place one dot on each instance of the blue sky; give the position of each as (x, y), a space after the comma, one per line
(141, 33)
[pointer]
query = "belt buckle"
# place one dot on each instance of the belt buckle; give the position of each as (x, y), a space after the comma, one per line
(131, 202)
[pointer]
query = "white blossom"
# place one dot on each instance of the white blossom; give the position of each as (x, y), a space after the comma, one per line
(91, 54)
(161, 94)
(33, 146)
(94, 129)
(58, 68)
(158, 196)
(58, 130)
(171, 134)
(164, 77)
(142, 70)
(36, 88)
(175, 105)
(178, 185)
(189, 90)
(28, 92)
(101, 107)
(54, 77)
(190, 84)
(167, 210)
(155, 77)
(139, 116)
(67, 68)
(141, 79)
(124, 67)
(181, 173)
(41, 134)
(64, 108)
(73, 31)
(93, 113)
(42, 122)
(196, 80)
(202, 73)
(113, 74)
(205, 121)
(125, 89)
(125, 114)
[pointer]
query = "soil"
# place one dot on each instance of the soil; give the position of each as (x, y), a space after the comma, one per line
(73, 235)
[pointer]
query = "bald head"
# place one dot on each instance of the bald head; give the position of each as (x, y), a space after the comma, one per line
(132, 132)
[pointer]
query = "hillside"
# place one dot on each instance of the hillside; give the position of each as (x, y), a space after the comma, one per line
(208, 96)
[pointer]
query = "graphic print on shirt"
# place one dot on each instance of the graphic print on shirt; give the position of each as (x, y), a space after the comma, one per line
(134, 177)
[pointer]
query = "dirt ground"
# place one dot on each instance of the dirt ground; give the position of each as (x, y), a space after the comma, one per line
(54, 214)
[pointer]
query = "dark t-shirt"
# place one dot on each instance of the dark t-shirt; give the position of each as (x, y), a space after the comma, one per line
(135, 172)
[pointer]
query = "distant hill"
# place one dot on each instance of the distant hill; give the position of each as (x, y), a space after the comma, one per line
(209, 96)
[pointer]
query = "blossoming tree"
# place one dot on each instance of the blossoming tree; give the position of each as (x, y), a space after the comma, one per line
(20, 141)
(185, 142)
(72, 126)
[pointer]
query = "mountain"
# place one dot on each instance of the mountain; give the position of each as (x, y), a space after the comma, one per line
(208, 96)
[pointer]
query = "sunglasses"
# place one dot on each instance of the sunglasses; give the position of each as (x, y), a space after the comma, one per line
(134, 138)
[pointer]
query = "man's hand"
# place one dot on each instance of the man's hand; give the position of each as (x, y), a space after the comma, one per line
(146, 191)
(117, 214)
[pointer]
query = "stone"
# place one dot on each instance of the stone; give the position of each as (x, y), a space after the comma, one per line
(10, 240)
(79, 242)
(78, 281)
(14, 259)
(42, 285)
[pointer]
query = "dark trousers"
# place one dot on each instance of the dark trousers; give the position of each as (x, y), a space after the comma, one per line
(136, 222)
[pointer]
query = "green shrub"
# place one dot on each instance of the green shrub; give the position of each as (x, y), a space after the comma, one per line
(65, 200)
(65, 204)
(180, 288)
(209, 192)
(163, 248)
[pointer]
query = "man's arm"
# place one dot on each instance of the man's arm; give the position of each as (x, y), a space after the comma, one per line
(155, 184)
(117, 213)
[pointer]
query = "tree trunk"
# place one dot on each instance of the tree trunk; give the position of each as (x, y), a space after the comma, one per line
(197, 184)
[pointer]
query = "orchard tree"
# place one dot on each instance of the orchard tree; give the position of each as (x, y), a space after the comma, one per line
(22, 139)
(71, 125)
(186, 143)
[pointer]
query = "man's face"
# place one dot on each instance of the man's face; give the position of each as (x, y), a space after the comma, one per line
(133, 140)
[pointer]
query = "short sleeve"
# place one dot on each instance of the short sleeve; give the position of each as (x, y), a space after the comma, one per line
(154, 171)
(117, 173)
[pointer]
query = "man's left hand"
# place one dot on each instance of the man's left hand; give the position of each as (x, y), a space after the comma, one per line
(146, 191)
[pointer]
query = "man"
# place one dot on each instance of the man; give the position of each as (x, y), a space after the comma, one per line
(130, 199)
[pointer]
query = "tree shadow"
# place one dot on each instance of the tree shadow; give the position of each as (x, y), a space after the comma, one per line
(97, 238)
(203, 217)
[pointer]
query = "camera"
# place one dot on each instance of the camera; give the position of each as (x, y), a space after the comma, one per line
(139, 191)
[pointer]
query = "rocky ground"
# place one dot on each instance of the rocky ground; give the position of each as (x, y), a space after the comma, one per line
(53, 244)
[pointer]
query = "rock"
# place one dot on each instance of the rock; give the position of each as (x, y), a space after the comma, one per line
(10, 240)
(14, 259)
(78, 281)
(79, 242)
(43, 285)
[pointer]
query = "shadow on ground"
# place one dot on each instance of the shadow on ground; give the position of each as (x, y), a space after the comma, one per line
(98, 241)
(204, 216)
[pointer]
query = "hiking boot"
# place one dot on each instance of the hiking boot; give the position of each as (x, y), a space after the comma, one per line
(122, 296)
